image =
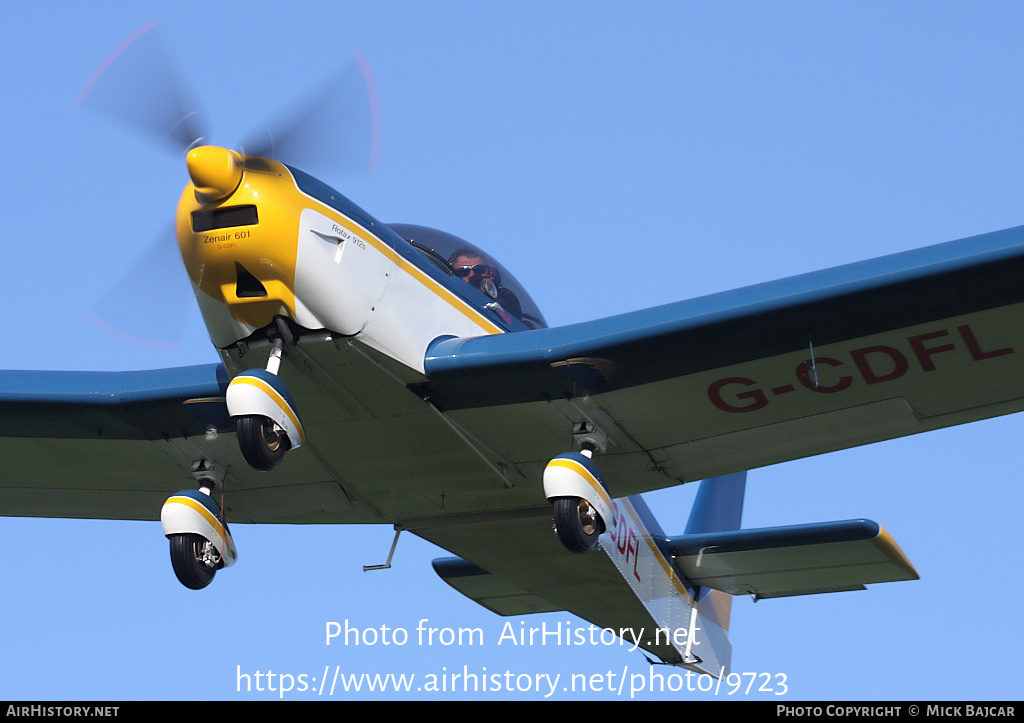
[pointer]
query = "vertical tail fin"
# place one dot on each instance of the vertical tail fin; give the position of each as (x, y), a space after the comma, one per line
(719, 504)
(718, 508)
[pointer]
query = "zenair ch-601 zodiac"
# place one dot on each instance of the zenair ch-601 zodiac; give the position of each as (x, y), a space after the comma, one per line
(396, 374)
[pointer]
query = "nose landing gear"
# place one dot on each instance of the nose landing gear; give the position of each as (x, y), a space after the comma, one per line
(265, 418)
(262, 441)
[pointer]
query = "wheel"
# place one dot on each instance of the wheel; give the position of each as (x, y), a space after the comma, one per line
(263, 443)
(577, 524)
(194, 559)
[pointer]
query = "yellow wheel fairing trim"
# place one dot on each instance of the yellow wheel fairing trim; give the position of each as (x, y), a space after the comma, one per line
(586, 475)
(224, 544)
(275, 397)
(210, 519)
(268, 249)
(565, 476)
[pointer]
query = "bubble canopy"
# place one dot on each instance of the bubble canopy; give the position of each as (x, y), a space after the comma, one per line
(441, 248)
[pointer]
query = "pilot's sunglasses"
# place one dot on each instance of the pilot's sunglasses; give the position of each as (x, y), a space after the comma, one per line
(464, 271)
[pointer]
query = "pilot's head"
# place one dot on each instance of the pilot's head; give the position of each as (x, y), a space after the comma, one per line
(473, 268)
(469, 266)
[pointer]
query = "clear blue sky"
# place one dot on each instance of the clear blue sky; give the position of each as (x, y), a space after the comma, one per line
(614, 156)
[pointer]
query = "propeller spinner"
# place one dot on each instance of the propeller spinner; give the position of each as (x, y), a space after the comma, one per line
(215, 172)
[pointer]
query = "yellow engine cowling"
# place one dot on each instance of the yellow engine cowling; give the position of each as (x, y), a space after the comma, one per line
(237, 229)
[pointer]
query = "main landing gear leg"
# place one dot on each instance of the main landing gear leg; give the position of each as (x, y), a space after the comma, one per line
(200, 540)
(582, 507)
(265, 418)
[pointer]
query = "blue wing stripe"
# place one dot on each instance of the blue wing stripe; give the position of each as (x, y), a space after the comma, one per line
(892, 292)
(118, 405)
(769, 538)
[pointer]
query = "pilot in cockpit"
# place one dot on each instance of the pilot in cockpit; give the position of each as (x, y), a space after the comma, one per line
(473, 268)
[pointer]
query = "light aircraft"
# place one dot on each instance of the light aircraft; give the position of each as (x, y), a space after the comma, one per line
(372, 373)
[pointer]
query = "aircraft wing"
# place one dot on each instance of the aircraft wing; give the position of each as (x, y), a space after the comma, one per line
(742, 379)
(688, 391)
(104, 444)
(114, 445)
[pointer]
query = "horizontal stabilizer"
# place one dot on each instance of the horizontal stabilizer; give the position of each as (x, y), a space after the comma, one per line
(493, 592)
(795, 560)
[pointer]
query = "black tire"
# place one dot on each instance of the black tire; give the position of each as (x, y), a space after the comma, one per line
(187, 561)
(577, 524)
(262, 442)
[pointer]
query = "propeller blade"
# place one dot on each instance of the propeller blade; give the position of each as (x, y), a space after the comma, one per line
(148, 306)
(137, 85)
(336, 128)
